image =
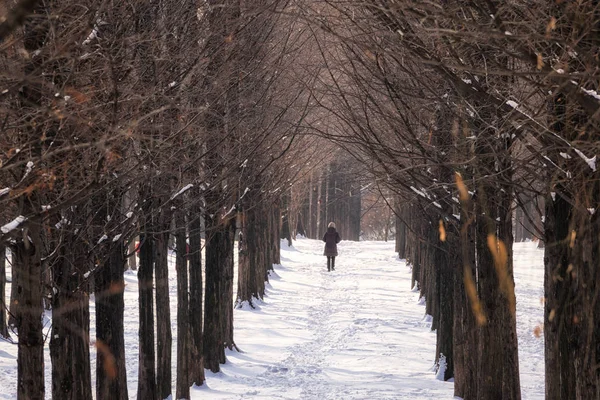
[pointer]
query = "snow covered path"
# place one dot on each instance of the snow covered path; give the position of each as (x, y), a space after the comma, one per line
(355, 333)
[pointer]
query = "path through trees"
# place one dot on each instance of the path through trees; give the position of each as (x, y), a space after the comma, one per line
(133, 130)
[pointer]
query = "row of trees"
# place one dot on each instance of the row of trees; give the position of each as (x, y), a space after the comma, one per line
(170, 120)
(332, 193)
(166, 123)
(466, 110)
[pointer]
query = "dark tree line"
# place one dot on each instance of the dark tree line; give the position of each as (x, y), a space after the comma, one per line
(469, 111)
(163, 124)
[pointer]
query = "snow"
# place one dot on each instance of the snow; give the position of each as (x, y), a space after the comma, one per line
(28, 169)
(4, 191)
(591, 162)
(182, 190)
(420, 192)
(441, 368)
(102, 239)
(529, 290)
(356, 333)
(592, 93)
(93, 35)
(12, 225)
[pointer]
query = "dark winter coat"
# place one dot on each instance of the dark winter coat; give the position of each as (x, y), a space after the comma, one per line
(331, 239)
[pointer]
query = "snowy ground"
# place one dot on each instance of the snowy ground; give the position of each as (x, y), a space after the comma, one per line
(355, 333)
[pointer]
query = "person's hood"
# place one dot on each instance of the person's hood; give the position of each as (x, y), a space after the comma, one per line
(330, 229)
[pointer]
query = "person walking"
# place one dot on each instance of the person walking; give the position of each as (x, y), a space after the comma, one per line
(331, 239)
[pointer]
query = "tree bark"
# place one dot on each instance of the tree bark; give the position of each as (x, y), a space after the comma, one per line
(446, 263)
(111, 377)
(30, 366)
(217, 300)
(511, 383)
(3, 308)
(466, 358)
(69, 343)
(164, 336)
(227, 295)
(147, 358)
(247, 255)
(196, 366)
(184, 348)
(275, 243)
(15, 296)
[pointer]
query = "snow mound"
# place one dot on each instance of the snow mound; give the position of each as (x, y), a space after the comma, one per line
(441, 368)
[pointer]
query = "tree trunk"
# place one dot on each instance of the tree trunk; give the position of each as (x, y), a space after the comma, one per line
(465, 322)
(268, 235)
(111, 377)
(196, 364)
(228, 274)
(30, 366)
(247, 256)
(219, 245)
(433, 277)
(490, 344)
(511, 384)
(260, 255)
(69, 343)
(571, 275)
(446, 263)
(15, 296)
(401, 233)
(496, 354)
(274, 239)
(164, 336)
(132, 259)
(519, 221)
(3, 307)
(147, 359)
(184, 348)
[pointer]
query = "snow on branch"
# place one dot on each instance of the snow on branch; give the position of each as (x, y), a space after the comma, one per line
(14, 224)
(182, 190)
(590, 161)
(420, 192)
(232, 209)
